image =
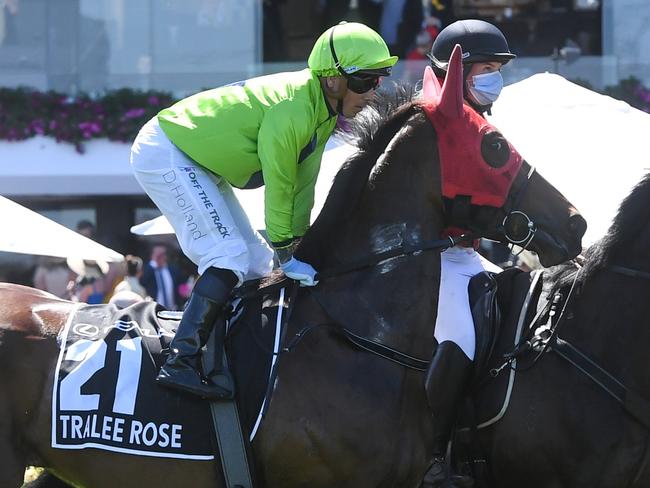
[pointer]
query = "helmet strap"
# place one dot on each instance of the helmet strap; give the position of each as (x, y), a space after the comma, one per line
(337, 63)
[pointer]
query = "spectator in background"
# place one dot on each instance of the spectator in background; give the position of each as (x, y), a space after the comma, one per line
(423, 43)
(424, 39)
(86, 228)
(432, 25)
(420, 52)
(88, 286)
(160, 280)
(52, 275)
(400, 23)
(129, 291)
(8, 12)
(131, 281)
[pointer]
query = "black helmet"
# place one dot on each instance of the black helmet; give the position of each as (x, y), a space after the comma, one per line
(480, 41)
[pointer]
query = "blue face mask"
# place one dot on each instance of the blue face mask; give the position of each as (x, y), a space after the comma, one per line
(487, 87)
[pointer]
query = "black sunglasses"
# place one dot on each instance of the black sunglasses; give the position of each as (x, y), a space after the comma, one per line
(357, 82)
(362, 84)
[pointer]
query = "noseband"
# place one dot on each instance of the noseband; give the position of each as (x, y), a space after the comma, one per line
(511, 213)
(459, 209)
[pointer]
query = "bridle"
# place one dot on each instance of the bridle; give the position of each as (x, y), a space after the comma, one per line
(406, 248)
(511, 212)
(546, 339)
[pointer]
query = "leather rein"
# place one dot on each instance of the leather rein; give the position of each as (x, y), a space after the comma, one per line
(546, 339)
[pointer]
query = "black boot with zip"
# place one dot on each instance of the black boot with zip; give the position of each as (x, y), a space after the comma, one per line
(182, 370)
(446, 383)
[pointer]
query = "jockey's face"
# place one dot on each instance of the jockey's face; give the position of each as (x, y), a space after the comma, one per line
(354, 102)
(340, 96)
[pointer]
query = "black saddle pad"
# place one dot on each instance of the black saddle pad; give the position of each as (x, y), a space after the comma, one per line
(104, 392)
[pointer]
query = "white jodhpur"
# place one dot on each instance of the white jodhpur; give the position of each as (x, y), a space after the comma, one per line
(454, 322)
(211, 226)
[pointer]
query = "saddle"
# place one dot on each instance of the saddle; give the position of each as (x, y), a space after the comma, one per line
(503, 307)
(501, 304)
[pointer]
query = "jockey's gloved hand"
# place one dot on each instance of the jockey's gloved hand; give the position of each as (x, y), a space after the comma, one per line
(298, 270)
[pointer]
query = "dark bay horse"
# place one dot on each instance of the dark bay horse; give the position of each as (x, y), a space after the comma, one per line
(339, 416)
(561, 429)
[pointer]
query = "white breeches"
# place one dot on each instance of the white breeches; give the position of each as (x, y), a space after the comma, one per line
(454, 322)
(210, 223)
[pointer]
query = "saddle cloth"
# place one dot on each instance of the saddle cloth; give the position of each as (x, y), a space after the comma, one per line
(104, 392)
(105, 395)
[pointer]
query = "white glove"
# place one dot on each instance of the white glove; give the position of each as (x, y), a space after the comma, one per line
(297, 270)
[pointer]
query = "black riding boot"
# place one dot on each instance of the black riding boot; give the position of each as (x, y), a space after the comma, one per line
(446, 381)
(182, 369)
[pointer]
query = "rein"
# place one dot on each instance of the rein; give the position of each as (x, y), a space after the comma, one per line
(546, 339)
(374, 347)
(407, 249)
(634, 273)
(404, 249)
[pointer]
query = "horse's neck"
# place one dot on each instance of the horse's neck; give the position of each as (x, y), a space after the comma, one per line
(399, 203)
(393, 301)
(610, 324)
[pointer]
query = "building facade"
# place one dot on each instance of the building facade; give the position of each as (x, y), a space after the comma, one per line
(183, 46)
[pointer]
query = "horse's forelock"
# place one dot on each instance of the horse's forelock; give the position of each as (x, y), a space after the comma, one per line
(363, 129)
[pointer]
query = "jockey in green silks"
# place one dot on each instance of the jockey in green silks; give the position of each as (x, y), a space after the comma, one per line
(269, 131)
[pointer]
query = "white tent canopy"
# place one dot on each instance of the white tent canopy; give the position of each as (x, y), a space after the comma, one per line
(591, 147)
(27, 232)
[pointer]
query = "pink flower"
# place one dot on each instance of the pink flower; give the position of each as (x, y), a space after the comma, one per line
(133, 113)
(90, 128)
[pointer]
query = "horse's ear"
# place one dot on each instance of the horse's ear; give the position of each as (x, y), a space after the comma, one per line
(430, 86)
(451, 99)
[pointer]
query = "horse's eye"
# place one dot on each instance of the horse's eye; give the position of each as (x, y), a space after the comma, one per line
(495, 149)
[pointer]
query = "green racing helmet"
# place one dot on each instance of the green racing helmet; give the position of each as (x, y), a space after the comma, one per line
(350, 48)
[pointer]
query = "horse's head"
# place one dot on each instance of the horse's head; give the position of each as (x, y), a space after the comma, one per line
(487, 188)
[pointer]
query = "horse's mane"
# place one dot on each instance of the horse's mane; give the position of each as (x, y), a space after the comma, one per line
(370, 131)
(624, 234)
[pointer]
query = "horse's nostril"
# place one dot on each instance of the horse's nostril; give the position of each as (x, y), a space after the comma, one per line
(578, 225)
